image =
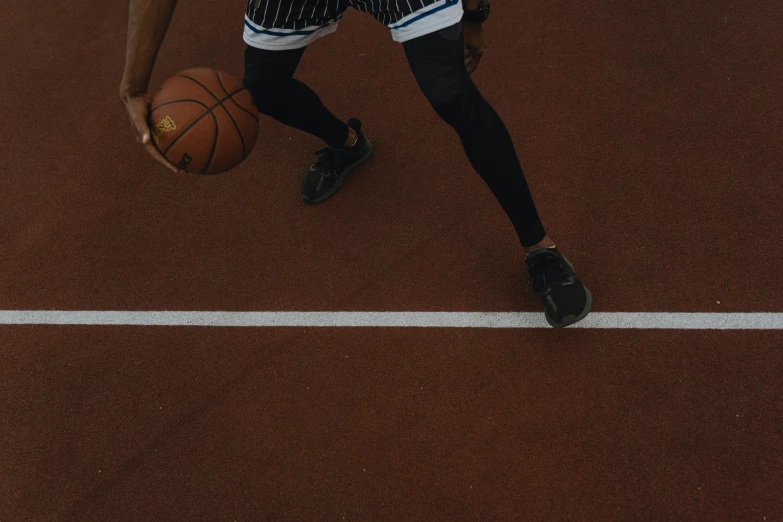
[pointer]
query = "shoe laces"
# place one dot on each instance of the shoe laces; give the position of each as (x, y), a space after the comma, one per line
(546, 268)
(330, 160)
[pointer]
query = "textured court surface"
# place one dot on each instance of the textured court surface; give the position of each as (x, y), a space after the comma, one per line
(650, 136)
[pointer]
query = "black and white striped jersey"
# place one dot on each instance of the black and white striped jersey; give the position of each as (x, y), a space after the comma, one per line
(297, 14)
(291, 24)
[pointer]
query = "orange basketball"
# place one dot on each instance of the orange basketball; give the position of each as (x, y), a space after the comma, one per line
(204, 121)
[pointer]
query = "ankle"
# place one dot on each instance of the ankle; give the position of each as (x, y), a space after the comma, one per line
(352, 139)
(546, 242)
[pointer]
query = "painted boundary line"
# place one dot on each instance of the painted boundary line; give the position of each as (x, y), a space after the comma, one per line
(598, 320)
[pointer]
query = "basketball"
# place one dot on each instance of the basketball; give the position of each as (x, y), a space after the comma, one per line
(204, 121)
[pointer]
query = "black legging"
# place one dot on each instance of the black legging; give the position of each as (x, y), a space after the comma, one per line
(437, 62)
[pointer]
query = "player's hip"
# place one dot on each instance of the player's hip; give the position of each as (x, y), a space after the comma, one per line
(287, 24)
(298, 14)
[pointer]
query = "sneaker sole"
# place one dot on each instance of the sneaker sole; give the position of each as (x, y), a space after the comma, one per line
(344, 174)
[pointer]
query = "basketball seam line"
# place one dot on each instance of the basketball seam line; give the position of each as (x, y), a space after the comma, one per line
(242, 108)
(224, 90)
(153, 109)
(175, 140)
(214, 142)
(217, 127)
(209, 111)
(214, 119)
(220, 103)
(241, 138)
(255, 117)
(186, 129)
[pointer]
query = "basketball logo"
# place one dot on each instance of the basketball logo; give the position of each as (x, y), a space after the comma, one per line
(165, 125)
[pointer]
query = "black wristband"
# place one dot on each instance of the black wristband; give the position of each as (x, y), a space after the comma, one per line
(478, 16)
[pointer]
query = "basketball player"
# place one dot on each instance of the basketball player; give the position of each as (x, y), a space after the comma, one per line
(443, 41)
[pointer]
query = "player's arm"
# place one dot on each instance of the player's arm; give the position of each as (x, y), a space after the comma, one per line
(148, 21)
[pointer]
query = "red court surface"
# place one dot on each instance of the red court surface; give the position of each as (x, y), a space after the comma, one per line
(650, 137)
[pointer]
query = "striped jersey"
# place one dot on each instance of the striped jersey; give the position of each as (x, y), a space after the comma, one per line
(297, 14)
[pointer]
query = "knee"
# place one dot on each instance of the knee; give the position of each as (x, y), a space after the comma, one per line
(268, 77)
(458, 111)
(450, 91)
(267, 88)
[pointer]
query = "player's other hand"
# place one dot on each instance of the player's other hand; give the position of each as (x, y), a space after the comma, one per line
(138, 107)
(474, 44)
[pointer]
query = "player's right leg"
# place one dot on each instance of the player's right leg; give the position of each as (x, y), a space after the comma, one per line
(275, 45)
(269, 79)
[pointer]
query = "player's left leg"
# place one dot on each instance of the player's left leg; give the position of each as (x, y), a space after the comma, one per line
(437, 62)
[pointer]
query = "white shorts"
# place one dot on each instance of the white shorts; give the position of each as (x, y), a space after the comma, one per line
(291, 24)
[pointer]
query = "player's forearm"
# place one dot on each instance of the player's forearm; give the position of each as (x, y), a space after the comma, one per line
(470, 5)
(148, 21)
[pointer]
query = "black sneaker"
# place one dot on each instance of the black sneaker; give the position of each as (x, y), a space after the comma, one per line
(327, 175)
(565, 299)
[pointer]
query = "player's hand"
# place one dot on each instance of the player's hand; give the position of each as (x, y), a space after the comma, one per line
(138, 107)
(474, 44)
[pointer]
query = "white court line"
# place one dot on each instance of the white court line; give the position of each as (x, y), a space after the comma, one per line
(601, 320)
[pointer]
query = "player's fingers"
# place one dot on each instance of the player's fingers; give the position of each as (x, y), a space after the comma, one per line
(470, 65)
(137, 112)
(141, 129)
(160, 158)
(142, 133)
